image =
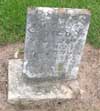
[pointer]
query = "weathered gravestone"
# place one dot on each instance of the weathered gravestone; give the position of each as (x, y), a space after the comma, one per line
(55, 38)
(54, 42)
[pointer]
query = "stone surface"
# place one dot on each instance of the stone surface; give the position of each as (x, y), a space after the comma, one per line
(23, 91)
(55, 38)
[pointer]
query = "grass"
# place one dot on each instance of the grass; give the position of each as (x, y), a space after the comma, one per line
(13, 17)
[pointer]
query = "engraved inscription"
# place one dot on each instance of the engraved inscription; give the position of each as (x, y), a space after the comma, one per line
(54, 43)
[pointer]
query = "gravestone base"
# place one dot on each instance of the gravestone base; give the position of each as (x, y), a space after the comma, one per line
(22, 90)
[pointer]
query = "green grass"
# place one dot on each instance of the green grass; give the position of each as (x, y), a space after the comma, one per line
(13, 17)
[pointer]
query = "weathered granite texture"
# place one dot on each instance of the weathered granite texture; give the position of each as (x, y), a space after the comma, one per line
(55, 38)
(24, 91)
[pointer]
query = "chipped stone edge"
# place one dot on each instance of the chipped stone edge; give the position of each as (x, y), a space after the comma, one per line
(72, 11)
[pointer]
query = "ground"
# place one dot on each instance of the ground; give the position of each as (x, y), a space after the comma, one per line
(89, 79)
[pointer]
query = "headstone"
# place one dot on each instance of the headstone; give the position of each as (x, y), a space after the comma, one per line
(55, 38)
